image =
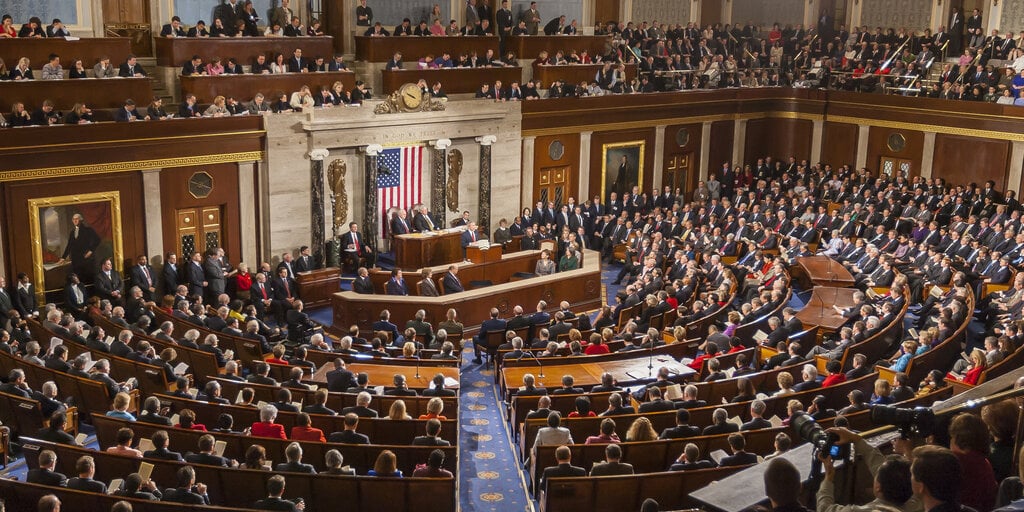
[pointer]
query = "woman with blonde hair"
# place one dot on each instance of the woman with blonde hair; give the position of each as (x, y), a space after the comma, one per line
(785, 380)
(397, 411)
(435, 406)
(217, 109)
(120, 407)
(408, 351)
(641, 430)
(679, 333)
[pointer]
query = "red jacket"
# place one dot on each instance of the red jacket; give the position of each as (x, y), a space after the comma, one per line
(837, 378)
(261, 429)
(308, 434)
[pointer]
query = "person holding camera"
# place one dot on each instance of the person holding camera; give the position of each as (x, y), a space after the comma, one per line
(892, 488)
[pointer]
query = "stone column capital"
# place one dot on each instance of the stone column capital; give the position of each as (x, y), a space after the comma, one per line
(487, 140)
(373, 149)
(441, 143)
(318, 154)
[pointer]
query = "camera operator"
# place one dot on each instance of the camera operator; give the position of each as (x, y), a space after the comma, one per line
(891, 475)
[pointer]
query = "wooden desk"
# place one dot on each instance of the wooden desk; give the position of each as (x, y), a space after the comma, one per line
(821, 271)
(574, 73)
(528, 47)
(819, 310)
(244, 87)
(316, 286)
(477, 255)
(95, 93)
(586, 375)
(383, 375)
(174, 52)
(417, 250)
(381, 49)
(581, 288)
(453, 80)
(90, 50)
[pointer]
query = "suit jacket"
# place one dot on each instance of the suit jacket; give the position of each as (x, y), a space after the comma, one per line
(304, 264)
(283, 288)
(46, 477)
(396, 287)
(451, 283)
(469, 237)
(611, 468)
(565, 469)
(363, 285)
(429, 441)
(348, 437)
(87, 484)
(739, 459)
(105, 285)
(207, 459)
(273, 503)
(340, 380)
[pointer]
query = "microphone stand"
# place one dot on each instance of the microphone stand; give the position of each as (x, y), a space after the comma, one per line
(540, 365)
(417, 367)
(650, 360)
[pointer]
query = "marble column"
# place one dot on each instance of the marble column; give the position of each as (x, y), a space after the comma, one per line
(153, 215)
(439, 180)
(659, 157)
(817, 134)
(371, 215)
(527, 171)
(316, 204)
(584, 167)
(705, 150)
(484, 208)
(247, 209)
(862, 147)
(739, 141)
(928, 155)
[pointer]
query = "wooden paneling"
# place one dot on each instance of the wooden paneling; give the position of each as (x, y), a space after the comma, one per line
(16, 223)
(174, 52)
(174, 195)
(96, 94)
(877, 148)
(839, 144)
(381, 49)
(528, 47)
(778, 137)
(690, 150)
(965, 159)
(453, 80)
(89, 50)
(606, 10)
(599, 139)
(720, 150)
(573, 73)
(570, 158)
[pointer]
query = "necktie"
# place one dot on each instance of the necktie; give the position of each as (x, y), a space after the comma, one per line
(286, 289)
(149, 281)
(472, 235)
(263, 291)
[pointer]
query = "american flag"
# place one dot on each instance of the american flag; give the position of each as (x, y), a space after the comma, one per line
(399, 180)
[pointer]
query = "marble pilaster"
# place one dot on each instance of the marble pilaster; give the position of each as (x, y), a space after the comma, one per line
(439, 178)
(316, 204)
(484, 209)
(371, 225)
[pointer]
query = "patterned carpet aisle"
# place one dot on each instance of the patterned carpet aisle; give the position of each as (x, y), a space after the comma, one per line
(488, 479)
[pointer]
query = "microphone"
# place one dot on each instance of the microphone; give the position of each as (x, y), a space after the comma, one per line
(417, 367)
(540, 374)
(650, 359)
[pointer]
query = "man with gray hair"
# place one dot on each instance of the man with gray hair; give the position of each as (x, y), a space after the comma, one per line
(810, 376)
(362, 407)
(32, 353)
(165, 332)
(757, 421)
(190, 340)
(103, 375)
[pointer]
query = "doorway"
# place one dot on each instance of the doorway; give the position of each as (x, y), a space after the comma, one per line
(552, 184)
(679, 173)
(198, 229)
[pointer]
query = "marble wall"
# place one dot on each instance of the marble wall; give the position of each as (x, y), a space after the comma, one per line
(764, 14)
(914, 14)
(665, 11)
(1012, 17)
(345, 132)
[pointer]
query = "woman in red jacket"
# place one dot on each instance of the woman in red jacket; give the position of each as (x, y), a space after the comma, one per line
(266, 426)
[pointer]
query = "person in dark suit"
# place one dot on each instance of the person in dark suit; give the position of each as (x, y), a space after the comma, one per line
(173, 29)
(85, 466)
(422, 221)
(757, 421)
(206, 455)
(564, 468)
(294, 464)
(216, 280)
(682, 428)
(171, 274)
(396, 285)
(492, 324)
(274, 501)
(739, 457)
(611, 465)
(188, 491)
(362, 283)
(451, 281)
(25, 297)
(143, 276)
(45, 474)
(690, 460)
(284, 289)
(657, 403)
(438, 388)
(433, 437)
(131, 68)
(340, 378)
(349, 434)
(469, 236)
(108, 283)
(355, 248)
(82, 242)
(160, 450)
(399, 224)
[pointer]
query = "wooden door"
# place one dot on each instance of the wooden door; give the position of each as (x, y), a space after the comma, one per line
(198, 229)
(606, 10)
(710, 12)
(679, 173)
(129, 18)
(552, 184)
(893, 167)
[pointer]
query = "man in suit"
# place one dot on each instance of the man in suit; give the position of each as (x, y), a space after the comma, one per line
(611, 465)
(305, 261)
(355, 247)
(739, 457)
(171, 274)
(25, 297)
(396, 285)
(490, 325)
(433, 437)
(108, 284)
(207, 456)
(188, 491)
(173, 29)
(399, 224)
(340, 378)
(422, 220)
(451, 281)
(82, 242)
(297, 64)
(131, 68)
(757, 421)
(362, 283)
(261, 295)
(564, 468)
(275, 489)
(216, 281)
(682, 428)
(349, 434)
(16, 384)
(45, 474)
(284, 295)
(469, 236)
(196, 277)
(142, 275)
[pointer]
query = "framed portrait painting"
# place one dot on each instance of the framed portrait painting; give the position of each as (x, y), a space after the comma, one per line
(622, 167)
(74, 234)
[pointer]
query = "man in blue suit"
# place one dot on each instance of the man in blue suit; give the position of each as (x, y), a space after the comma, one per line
(469, 236)
(493, 324)
(396, 285)
(451, 280)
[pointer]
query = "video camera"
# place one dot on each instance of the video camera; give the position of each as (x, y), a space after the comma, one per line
(917, 421)
(823, 442)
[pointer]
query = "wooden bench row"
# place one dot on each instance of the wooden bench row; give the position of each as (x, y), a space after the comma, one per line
(25, 416)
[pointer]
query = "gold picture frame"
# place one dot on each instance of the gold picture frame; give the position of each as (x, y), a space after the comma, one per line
(611, 159)
(48, 214)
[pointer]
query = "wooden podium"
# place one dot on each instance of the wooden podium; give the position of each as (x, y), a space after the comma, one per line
(418, 250)
(317, 286)
(477, 255)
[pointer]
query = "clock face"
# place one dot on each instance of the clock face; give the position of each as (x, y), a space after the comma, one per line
(200, 185)
(411, 96)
